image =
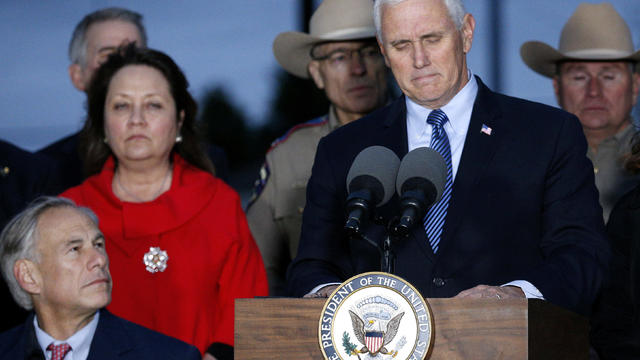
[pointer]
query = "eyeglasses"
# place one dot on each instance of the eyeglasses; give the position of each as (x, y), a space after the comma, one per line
(342, 58)
(582, 79)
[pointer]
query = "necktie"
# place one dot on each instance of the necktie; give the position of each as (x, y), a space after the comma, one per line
(434, 220)
(58, 352)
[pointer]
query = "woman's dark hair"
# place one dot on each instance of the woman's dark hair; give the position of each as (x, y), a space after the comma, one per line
(95, 151)
(632, 164)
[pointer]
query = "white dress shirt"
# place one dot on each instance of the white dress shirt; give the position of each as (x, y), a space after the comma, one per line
(80, 342)
(458, 111)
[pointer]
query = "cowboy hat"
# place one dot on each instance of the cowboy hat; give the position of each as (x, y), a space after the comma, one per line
(594, 32)
(334, 20)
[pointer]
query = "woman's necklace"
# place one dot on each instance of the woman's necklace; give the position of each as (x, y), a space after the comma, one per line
(136, 198)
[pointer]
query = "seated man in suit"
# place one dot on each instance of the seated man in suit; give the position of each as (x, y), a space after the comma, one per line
(94, 38)
(519, 215)
(53, 257)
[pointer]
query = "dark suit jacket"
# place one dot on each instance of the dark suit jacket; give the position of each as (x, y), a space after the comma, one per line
(23, 177)
(66, 154)
(615, 330)
(524, 207)
(115, 338)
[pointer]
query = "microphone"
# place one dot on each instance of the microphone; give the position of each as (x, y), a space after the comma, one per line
(421, 179)
(370, 182)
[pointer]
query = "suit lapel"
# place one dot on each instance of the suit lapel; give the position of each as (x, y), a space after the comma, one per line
(33, 351)
(110, 340)
(394, 135)
(479, 149)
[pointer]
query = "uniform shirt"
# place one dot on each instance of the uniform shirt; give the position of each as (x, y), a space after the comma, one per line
(80, 342)
(275, 212)
(612, 180)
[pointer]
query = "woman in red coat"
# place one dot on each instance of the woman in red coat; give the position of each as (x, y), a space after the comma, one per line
(177, 238)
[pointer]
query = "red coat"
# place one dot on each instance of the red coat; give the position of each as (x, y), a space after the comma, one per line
(212, 258)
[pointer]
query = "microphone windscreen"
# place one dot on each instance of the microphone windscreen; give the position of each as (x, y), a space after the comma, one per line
(374, 169)
(420, 165)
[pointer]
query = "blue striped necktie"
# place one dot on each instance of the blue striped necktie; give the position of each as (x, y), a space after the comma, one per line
(434, 220)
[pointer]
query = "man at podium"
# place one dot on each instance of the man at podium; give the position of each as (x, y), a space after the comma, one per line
(519, 213)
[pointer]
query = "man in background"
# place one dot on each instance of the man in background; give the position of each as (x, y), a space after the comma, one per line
(94, 38)
(341, 56)
(594, 78)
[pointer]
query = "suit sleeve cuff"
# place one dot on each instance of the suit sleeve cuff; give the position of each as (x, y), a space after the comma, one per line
(315, 289)
(221, 351)
(530, 291)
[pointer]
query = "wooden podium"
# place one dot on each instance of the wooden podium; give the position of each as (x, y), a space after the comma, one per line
(287, 328)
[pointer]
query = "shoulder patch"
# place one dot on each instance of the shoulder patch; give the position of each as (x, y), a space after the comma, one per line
(311, 123)
(260, 183)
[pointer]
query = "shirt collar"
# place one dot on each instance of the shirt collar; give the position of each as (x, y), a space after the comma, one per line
(626, 134)
(334, 123)
(457, 109)
(619, 142)
(80, 342)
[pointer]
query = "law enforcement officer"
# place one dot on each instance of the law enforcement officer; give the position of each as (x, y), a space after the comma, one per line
(341, 56)
(593, 78)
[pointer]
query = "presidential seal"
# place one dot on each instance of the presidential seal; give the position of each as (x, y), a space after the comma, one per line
(375, 315)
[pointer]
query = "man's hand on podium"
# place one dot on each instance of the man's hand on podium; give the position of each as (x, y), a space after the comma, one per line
(492, 292)
(323, 292)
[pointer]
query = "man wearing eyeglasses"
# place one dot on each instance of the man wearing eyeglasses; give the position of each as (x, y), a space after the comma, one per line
(341, 56)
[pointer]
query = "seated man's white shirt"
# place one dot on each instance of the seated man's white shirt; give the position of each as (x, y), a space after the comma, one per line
(80, 342)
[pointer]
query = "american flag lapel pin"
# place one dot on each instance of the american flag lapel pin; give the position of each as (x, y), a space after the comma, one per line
(485, 130)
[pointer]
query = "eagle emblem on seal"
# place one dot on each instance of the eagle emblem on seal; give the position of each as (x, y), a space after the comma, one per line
(372, 336)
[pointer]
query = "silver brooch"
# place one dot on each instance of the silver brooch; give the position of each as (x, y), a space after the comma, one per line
(155, 260)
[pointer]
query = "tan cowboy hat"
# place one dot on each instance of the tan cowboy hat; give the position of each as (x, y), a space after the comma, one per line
(334, 20)
(593, 32)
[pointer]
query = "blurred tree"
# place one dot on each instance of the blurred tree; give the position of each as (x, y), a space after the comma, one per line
(224, 124)
(295, 101)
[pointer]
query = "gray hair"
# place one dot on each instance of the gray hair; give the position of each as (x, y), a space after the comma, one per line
(78, 44)
(18, 241)
(455, 7)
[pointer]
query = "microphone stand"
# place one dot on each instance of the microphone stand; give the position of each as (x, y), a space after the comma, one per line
(388, 258)
(394, 233)
(387, 255)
